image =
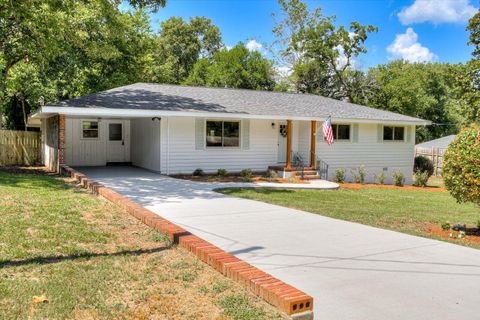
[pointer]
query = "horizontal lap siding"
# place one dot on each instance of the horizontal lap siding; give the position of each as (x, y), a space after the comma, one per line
(182, 156)
(370, 153)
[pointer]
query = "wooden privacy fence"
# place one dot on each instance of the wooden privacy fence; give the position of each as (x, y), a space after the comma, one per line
(19, 147)
(434, 154)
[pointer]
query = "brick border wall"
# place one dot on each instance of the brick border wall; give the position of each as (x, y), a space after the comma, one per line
(276, 292)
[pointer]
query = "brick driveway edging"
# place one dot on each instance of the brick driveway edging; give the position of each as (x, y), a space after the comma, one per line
(283, 296)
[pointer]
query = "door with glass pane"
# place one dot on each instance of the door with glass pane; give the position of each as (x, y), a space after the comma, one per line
(116, 141)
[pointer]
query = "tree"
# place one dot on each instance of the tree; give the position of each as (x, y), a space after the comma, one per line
(461, 166)
(321, 54)
(234, 68)
(418, 90)
(68, 48)
(180, 45)
(467, 79)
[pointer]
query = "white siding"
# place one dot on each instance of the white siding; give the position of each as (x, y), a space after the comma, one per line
(146, 143)
(181, 156)
(374, 155)
(89, 152)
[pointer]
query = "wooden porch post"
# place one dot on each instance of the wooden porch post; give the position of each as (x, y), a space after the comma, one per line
(313, 129)
(289, 144)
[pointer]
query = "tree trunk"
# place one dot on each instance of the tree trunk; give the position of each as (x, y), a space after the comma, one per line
(25, 120)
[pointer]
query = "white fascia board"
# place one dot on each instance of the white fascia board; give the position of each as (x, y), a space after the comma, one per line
(139, 113)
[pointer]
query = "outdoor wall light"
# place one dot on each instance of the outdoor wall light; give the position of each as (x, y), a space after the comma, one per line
(156, 118)
(273, 125)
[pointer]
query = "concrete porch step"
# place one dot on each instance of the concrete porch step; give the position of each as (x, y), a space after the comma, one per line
(311, 177)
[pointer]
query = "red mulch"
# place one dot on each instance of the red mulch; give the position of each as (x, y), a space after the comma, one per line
(382, 186)
(472, 234)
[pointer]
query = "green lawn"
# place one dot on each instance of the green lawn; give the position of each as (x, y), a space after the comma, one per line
(91, 260)
(407, 211)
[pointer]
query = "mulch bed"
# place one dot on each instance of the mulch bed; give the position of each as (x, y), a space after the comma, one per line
(35, 170)
(472, 234)
(234, 178)
(382, 186)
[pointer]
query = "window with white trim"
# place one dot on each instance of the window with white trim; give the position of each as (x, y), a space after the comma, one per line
(392, 133)
(223, 133)
(89, 129)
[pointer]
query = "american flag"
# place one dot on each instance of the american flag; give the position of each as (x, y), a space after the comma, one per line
(328, 131)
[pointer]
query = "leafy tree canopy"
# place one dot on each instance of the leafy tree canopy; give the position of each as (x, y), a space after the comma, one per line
(234, 68)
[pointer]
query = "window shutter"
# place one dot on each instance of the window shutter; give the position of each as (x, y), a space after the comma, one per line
(409, 133)
(199, 133)
(245, 134)
(355, 132)
(380, 133)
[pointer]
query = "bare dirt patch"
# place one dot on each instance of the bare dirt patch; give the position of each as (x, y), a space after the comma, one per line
(472, 235)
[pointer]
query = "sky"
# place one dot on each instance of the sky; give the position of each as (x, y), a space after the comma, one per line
(415, 30)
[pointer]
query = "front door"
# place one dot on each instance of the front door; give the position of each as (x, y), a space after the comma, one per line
(116, 151)
(282, 142)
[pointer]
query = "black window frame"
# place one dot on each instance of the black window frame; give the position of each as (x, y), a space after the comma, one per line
(395, 131)
(222, 145)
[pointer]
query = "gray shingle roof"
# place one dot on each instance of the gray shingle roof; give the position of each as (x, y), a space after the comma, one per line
(145, 96)
(442, 143)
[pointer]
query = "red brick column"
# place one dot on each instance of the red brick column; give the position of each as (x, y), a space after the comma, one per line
(61, 140)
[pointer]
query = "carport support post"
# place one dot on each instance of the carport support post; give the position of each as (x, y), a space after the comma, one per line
(61, 141)
(313, 129)
(289, 144)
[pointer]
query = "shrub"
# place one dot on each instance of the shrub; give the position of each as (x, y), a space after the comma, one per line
(198, 172)
(360, 174)
(420, 179)
(246, 173)
(398, 178)
(270, 174)
(461, 166)
(446, 226)
(340, 175)
(222, 172)
(423, 164)
(381, 177)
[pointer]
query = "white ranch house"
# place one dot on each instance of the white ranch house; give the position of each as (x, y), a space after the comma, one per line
(173, 129)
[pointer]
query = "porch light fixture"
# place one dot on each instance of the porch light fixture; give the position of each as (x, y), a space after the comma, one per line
(273, 125)
(156, 118)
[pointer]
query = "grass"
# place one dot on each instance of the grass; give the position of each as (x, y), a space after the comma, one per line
(89, 259)
(409, 211)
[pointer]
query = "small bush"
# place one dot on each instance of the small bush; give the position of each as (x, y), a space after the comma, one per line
(222, 172)
(446, 226)
(381, 177)
(398, 178)
(340, 175)
(270, 174)
(292, 179)
(423, 164)
(246, 173)
(198, 172)
(360, 174)
(461, 166)
(420, 179)
(478, 224)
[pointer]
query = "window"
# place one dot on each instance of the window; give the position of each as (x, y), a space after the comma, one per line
(223, 133)
(115, 132)
(341, 131)
(90, 129)
(393, 133)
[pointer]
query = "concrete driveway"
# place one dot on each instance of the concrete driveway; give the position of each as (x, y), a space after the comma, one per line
(352, 271)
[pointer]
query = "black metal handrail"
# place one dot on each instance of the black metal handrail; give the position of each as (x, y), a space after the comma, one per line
(322, 169)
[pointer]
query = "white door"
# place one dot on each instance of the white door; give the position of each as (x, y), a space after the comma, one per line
(282, 142)
(116, 146)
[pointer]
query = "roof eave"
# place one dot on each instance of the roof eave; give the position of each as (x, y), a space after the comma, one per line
(47, 111)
